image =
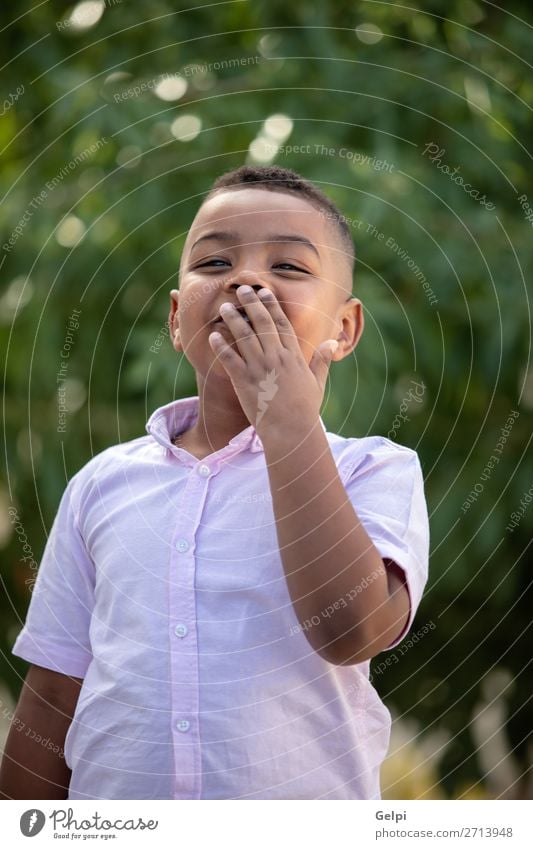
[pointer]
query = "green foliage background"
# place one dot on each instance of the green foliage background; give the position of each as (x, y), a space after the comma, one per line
(454, 74)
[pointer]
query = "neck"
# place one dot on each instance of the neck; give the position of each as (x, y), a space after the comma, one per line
(220, 415)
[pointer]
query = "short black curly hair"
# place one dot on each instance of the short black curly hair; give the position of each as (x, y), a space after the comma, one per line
(274, 178)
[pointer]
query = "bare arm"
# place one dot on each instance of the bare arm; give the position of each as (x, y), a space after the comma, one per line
(33, 765)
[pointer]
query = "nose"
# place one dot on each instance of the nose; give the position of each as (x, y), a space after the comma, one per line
(246, 277)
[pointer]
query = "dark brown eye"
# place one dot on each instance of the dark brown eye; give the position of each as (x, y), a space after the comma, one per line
(291, 267)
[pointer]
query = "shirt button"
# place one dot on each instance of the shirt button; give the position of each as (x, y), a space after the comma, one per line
(204, 470)
(182, 545)
(183, 725)
(181, 630)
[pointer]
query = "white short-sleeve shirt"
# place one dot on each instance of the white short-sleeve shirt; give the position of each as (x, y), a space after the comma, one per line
(162, 586)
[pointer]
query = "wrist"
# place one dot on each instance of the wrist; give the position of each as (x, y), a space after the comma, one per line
(287, 436)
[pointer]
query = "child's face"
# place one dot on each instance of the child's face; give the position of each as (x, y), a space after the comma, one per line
(313, 286)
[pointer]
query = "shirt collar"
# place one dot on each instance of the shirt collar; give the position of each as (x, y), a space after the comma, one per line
(180, 415)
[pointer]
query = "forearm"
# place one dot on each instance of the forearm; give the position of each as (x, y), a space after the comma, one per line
(31, 769)
(328, 557)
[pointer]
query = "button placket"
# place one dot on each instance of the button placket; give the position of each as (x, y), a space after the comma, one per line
(184, 637)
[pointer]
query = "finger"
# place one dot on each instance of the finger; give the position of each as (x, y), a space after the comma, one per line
(260, 318)
(321, 361)
(230, 359)
(243, 333)
(282, 324)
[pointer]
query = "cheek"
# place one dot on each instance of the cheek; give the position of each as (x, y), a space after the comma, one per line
(312, 328)
(195, 317)
(308, 326)
(193, 314)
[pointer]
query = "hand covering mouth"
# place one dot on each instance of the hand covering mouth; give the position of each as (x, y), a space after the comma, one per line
(240, 310)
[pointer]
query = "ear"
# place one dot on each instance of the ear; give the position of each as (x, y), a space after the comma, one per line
(173, 322)
(353, 324)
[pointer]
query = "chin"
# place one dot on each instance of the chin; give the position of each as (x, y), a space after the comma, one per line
(211, 370)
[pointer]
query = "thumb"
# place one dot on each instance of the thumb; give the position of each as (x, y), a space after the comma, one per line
(321, 360)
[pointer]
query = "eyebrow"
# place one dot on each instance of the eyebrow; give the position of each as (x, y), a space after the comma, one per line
(224, 236)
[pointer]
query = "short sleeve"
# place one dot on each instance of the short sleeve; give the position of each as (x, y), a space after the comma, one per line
(56, 631)
(386, 488)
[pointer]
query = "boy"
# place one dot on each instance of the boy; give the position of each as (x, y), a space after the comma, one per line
(211, 594)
